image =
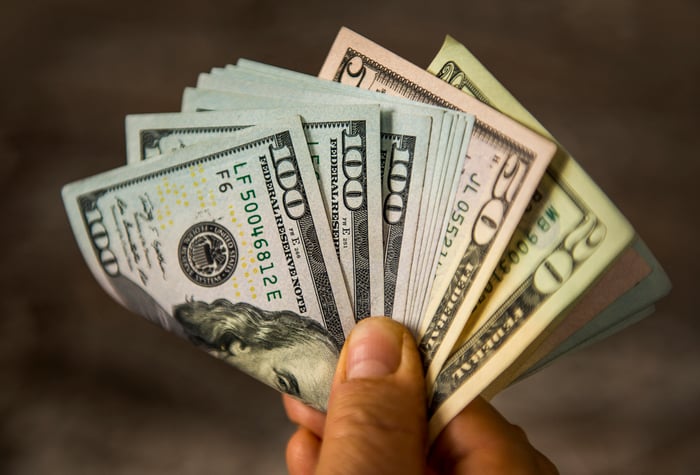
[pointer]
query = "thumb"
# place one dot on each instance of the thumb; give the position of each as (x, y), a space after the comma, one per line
(376, 420)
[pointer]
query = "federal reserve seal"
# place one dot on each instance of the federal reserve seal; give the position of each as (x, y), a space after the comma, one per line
(208, 254)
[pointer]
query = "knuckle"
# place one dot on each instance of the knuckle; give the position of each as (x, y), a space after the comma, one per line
(364, 411)
(519, 433)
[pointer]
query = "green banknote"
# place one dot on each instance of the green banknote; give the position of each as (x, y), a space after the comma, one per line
(225, 243)
(449, 138)
(448, 148)
(345, 150)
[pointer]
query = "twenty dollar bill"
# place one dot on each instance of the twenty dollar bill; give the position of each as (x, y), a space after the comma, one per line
(569, 236)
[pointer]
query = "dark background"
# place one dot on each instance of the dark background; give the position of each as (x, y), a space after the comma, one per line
(86, 387)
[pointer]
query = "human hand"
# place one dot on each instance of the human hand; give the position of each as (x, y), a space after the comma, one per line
(376, 421)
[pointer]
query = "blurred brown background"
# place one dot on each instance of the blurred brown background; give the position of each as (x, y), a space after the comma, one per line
(86, 387)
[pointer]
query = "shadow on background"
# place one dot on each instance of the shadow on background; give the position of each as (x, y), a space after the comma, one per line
(86, 387)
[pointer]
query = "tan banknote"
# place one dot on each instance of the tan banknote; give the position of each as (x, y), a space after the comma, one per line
(618, 305)
(505, 162)
(225, 243)
(625, 310)
(628, 270)
(567, 239)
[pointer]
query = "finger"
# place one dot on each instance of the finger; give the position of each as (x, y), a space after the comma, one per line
(545, 465)
(481, 440)
(303, 415)
(302, 452)
(376, 420)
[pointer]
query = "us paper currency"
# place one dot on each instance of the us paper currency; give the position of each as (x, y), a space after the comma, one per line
(505, 163)
(438, 191)
(451, 146)
(568, 237)
(344, 145)
(632, 306)
(446, 155)
(404, 156)
(395, 108)
(226, 243)
(154, 135)
(644, 293)
(613, 283)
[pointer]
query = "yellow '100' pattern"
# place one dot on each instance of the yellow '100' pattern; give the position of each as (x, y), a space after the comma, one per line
(174, 194)
(243, 278)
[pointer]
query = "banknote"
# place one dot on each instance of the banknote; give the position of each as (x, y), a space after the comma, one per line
(633, 305)
(444, 191)
(441, 185)
(225, 243)
(345, 149)
(438, 189)
(628, 270)
(643, 294)
(153, 135)
(452, 139)
(505, 164)
(404, 143)
(404, 158)
(447, 146)
(567, 239)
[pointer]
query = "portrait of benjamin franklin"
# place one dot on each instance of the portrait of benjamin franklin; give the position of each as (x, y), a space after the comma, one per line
(291, 353)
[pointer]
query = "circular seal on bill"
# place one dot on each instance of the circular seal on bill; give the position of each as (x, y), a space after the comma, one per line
(208, 254)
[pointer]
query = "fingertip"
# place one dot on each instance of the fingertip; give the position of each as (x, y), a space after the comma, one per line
(373, 349)
(475, 427)
(303, 415)
(479, 418)
(302, 452)
(479, 436)
(379, 347)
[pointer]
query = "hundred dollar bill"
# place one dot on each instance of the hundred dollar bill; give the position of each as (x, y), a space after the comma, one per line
(226, 243)
(568, 237)
(446, 185)
(404, 157)
(344, 145)
(154, 135)
(205, 100)
(438, 189)
(404, 154)
(505, 163)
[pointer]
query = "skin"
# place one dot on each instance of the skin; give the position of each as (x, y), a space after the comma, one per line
(376, 421)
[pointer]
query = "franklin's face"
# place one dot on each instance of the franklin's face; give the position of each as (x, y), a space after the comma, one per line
(301, 366)
(304, 371)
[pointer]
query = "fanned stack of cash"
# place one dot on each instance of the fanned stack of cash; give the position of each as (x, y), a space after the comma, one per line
(277, 209)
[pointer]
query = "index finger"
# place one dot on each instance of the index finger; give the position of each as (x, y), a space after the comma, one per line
(303, 415)
(481, 440)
